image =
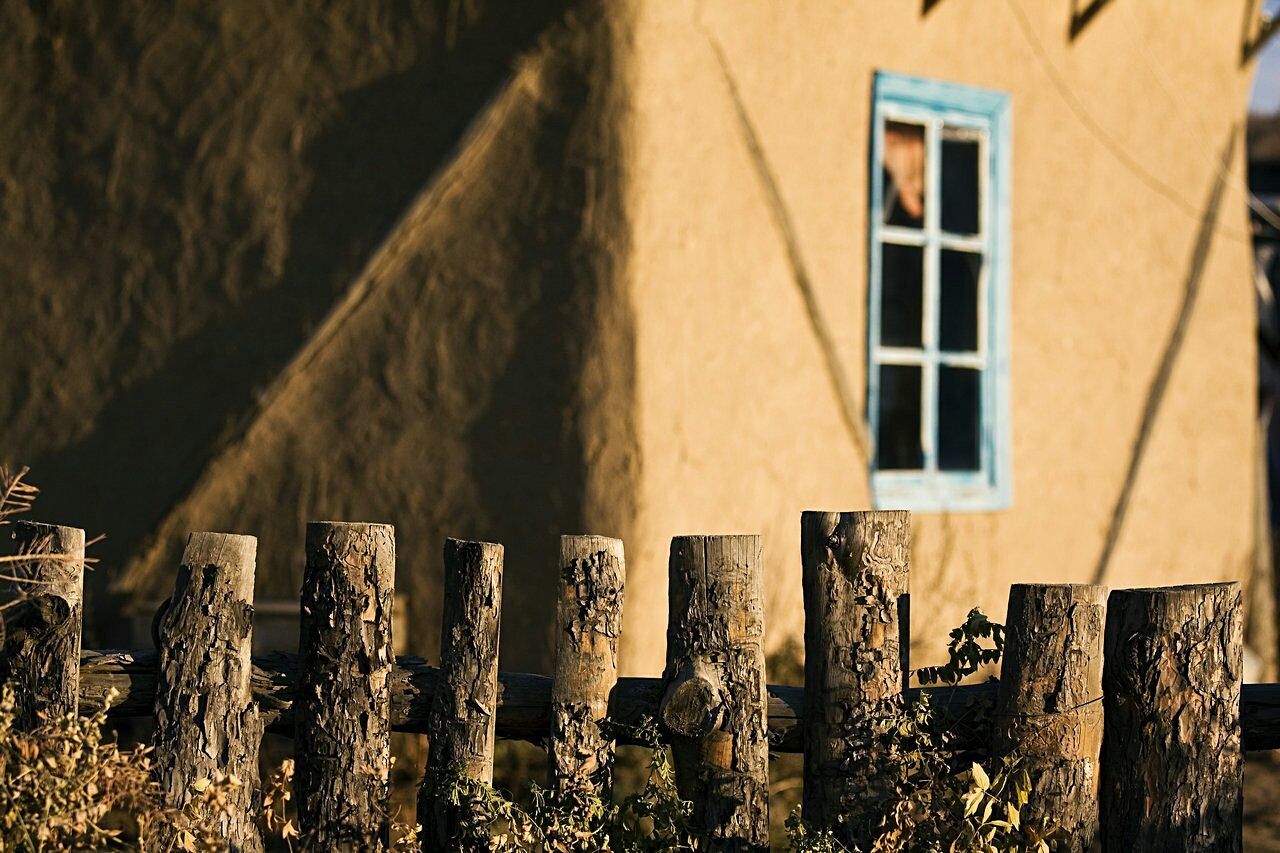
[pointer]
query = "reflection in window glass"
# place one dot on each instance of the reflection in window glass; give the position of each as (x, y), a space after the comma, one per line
(898, 436)
(961, 149)
(958, 317)
(900, 295)
(958, 419)
(903, 171)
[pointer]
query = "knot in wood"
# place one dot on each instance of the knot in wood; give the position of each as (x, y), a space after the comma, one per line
(37, 617)
(693, 706)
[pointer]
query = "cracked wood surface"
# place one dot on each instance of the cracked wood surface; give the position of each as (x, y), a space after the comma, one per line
(1049, 711)
(715, 702)
(855, 571)
(207, 724)
(461, 726)
(43, 613)
(343, 739)
(1172, 774)
(588, 622)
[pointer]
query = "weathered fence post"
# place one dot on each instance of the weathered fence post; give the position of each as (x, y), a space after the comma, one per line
(42, 617)
(207, 725)
(461, 725)
(1171, 769)
(588, 621)
(343, 716)
(1049, 710)
(856, 568)
(715, 699)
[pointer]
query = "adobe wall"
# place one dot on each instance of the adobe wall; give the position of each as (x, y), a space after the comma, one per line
(264, 264)
(1119, 138)
(511, 272)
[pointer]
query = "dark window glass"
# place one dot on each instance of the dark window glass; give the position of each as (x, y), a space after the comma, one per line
(960, 152)
(958, 313)
(959, 423)
(898, 434)
(902, 278)
(904, 173)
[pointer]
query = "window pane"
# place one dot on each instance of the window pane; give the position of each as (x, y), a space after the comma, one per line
(959, 418)
(901, 279)
(958, 317)
(903, 171)
(961, 149)
(898, 433)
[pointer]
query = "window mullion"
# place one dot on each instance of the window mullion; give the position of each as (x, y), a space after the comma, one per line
(986, 309)
(931, 302)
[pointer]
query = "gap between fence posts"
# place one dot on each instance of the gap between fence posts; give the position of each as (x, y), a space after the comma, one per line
(462, 722)
(1172, 776)
(342, 742)
(588, 622)
(855, 572)
(207, 725)
(1049, 706)
(715, 700)
(42, 622)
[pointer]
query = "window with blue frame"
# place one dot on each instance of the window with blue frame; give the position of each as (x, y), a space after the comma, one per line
(938, 312)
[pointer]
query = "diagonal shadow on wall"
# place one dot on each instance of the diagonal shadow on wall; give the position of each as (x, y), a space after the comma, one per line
(391, 136)
(1082, 14)
(1168, 359)
(850, 411)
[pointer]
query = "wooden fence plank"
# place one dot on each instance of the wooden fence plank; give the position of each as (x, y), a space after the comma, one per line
(343, 743)
(461, 726)
(207, 725)
(715, 701)
(43, 616)
(1049, 712)
(588, 622)
(856, 567)
(1171, 764)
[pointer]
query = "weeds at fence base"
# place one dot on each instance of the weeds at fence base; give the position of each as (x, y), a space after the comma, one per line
(66, 786)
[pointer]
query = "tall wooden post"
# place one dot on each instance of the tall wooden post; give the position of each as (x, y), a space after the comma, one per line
(343, 716)
(207, 725)
(1171, 766)
(588, 622)
(715, 702)
(856, 568)
(43, 615)
(461, 724)
(1049, 710)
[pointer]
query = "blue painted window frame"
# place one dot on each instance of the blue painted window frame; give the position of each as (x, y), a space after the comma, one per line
(934, 103)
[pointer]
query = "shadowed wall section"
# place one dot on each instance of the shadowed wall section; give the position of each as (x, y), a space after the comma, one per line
(379, 277)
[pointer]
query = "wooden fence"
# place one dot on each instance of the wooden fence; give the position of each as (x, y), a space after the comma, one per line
(1139, 747)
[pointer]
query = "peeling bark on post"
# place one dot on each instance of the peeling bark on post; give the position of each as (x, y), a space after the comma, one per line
(1049, 711)
(461, 725)
(343, 715)
(42, 617)
(1171, 768)
(207, 724)
(856, 569)
(588, 621)
(715, 701)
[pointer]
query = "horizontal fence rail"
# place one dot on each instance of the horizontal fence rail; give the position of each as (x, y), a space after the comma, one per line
(524, 699)
(1142, 753)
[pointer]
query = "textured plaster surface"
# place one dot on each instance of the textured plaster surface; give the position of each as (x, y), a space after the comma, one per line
(1118, 141)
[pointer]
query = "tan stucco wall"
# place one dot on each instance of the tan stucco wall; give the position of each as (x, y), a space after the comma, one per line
(265, 263)
(1116, 154)
(511, 273)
